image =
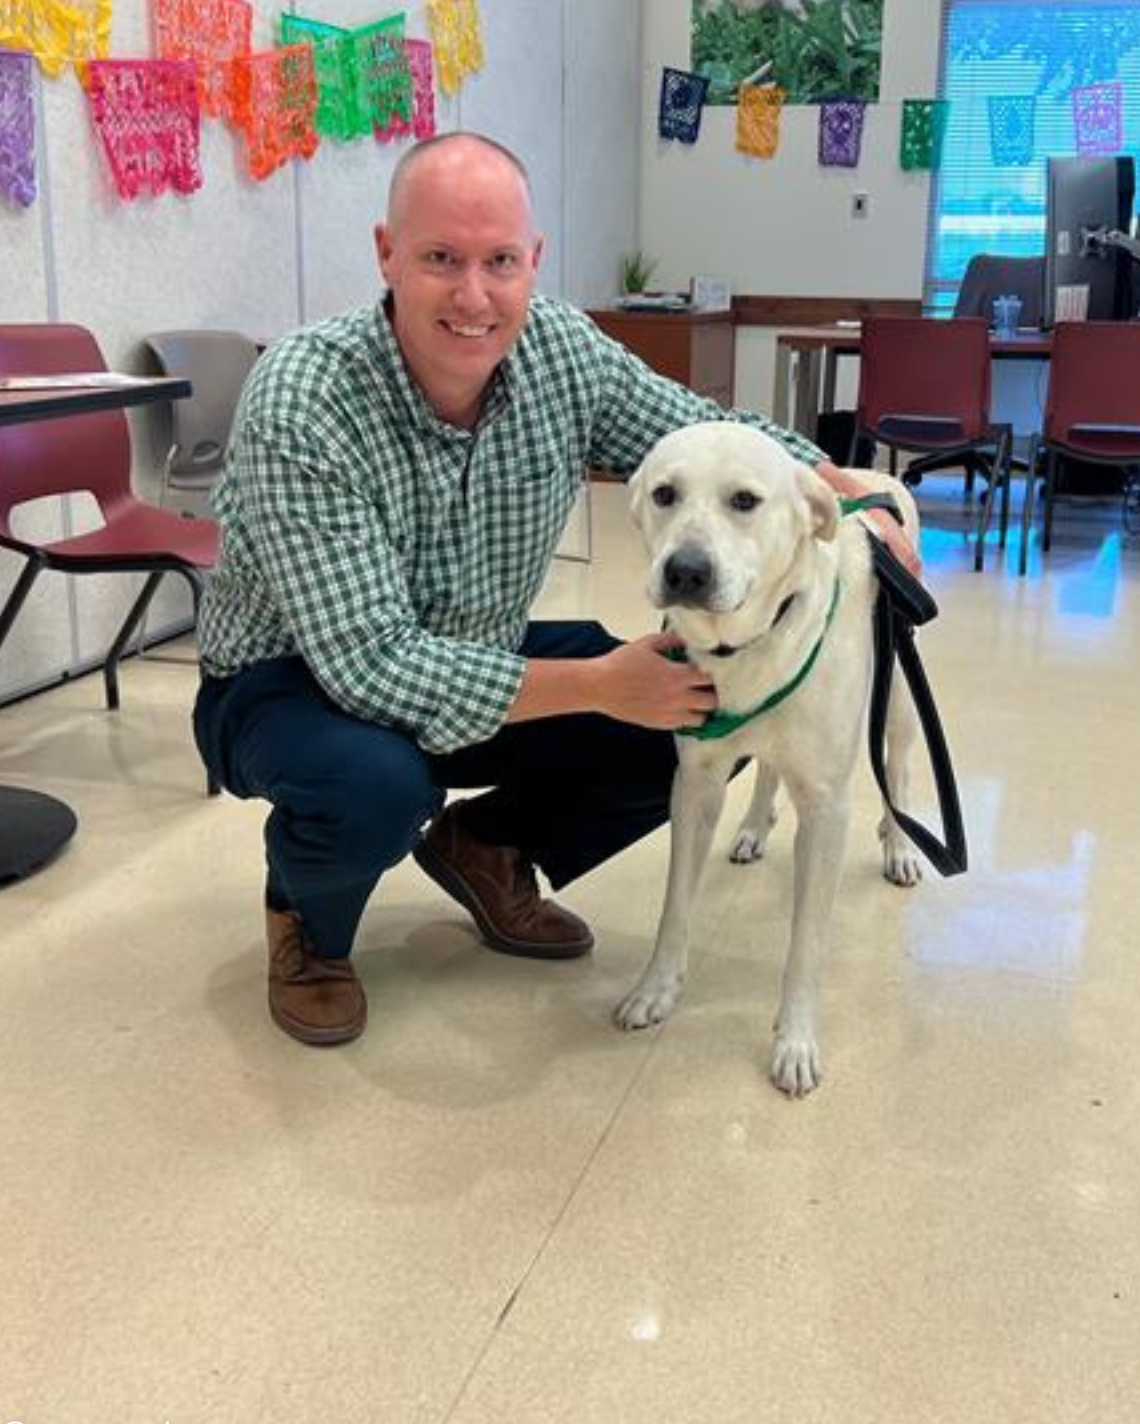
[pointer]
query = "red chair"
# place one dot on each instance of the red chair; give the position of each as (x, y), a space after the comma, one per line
(924, 387)
(88, 453)
(1092, 410)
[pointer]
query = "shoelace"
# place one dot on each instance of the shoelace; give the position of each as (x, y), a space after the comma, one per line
(295, 963)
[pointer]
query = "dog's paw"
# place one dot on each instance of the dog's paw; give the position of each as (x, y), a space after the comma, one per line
(901, 865)
(796, 1068)
(651, 1002)
(749, 845)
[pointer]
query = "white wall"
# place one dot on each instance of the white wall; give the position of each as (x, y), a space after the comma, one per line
(560, 85)
(783, 226)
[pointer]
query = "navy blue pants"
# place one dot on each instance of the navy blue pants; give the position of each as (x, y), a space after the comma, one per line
(349, 797)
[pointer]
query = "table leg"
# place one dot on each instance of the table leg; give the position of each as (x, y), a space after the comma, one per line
(807, 393)
(782, 386)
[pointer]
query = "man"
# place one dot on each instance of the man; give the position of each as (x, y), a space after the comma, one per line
(397, 482)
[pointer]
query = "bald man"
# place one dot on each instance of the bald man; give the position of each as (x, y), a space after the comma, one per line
(397, 483)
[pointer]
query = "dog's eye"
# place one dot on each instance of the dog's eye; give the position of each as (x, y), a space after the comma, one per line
(664, 496)
(744, 500)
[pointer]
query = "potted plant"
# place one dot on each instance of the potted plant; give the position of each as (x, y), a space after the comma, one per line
(636, 269)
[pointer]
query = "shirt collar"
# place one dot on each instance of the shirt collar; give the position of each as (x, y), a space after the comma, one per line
(404, 396)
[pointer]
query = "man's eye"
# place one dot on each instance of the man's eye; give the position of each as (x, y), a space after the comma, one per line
(504, 262)
(744, 500)
(663, 496)
(438, 258)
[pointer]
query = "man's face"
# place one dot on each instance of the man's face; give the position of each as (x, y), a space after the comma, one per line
(459, 255)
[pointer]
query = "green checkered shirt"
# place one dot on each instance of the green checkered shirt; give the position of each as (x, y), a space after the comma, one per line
(398, 555)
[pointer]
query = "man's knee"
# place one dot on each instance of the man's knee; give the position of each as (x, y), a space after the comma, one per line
(386, 794)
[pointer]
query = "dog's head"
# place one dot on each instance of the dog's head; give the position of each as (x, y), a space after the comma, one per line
(726, 513)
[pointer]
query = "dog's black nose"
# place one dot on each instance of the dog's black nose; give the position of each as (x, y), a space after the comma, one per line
(688, 576)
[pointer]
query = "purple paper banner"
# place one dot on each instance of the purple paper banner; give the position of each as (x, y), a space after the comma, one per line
(840, 132)
(17, 129)
(1097, 118)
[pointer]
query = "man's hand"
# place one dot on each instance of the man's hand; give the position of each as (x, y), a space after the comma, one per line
(639, 684)
(635, 682)
(848, 484)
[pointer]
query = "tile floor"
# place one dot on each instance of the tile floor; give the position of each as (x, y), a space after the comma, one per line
(494, 1206)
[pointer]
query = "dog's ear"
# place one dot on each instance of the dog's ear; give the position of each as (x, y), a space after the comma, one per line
(822, 502)
(636, 487)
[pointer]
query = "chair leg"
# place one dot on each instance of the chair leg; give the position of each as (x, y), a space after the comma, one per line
(197, 584)
(123, 637)
(23, 586)
(1006, 481)
(983, 524)
(1027, 505)
(1051, 462)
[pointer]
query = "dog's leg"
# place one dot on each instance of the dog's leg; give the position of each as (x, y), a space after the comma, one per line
(820, 838)
(695, 807)
(752, 837)
(901, 864)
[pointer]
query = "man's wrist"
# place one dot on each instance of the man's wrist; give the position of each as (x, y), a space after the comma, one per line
(841, 481)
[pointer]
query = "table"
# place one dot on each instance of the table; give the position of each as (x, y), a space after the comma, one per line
(696, 348)
(818, 349)
(35, 827)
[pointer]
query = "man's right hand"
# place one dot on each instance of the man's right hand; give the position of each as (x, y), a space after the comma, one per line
(638, 683)
(635, 682)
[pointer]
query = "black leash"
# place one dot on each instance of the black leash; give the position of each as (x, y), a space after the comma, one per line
(902, 605)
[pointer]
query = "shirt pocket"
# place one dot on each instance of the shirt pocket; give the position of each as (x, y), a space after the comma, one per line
(529, 495)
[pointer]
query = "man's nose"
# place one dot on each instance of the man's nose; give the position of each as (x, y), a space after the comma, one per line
(470, 291)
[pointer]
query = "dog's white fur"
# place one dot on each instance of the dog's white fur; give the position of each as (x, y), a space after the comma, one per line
(693, 500)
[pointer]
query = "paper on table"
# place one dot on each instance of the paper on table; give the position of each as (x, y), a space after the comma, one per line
(72, 380)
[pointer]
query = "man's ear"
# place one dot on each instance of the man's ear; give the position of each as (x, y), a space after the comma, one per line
(383, 247)
(822, 502)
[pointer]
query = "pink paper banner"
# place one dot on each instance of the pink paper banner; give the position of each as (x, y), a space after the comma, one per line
(422, 125)
(145, 112)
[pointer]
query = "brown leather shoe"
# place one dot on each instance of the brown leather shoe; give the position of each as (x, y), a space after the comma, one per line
(315, 1000)
(498, 888)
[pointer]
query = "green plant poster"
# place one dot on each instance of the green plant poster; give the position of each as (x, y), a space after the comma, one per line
(812, 49)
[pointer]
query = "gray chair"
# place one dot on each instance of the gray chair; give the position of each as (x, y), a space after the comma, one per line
(217, 364)
(987, 277)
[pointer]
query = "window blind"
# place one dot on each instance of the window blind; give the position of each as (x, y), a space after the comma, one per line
(1038, 50)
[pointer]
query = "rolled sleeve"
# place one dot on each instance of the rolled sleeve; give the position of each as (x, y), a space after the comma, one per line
(341, 593)
(641, 406)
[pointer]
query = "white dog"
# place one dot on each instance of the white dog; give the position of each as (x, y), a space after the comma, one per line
(773, 595)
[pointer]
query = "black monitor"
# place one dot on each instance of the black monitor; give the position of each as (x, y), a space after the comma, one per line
(1089, 212)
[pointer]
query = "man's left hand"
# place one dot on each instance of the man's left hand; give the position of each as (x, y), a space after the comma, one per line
(848, 484)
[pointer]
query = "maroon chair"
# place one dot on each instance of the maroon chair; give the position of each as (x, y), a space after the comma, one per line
(1092, 410)
(88, 453)
(924, 387)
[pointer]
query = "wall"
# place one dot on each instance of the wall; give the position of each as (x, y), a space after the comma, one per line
(783, 226)
(560, 85)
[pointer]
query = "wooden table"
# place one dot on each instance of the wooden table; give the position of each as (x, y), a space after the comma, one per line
(696, 348)
(34, 827)
(817, 350)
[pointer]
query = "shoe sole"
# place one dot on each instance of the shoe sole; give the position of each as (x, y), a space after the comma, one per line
(455, 886)
(318, 1037)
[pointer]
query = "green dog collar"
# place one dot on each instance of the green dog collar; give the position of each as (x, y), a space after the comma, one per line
(722, 724)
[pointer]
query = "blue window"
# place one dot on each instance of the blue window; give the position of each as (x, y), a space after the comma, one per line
(989, 192)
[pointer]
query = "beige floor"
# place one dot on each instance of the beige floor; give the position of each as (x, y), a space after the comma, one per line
(495, 1207)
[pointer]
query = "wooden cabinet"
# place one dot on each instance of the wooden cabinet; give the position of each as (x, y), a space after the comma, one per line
(696, 348)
